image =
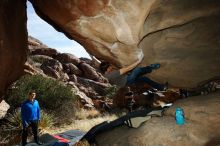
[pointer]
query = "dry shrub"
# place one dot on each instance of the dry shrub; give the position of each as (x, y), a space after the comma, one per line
(13, 121)
(11, 127)
(86, 114)
(53, 96)
(46, 122)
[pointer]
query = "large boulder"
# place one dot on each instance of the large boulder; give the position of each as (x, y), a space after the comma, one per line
(175, 33)
(35, 43)
(89, 61)
(91, 73)
(70, 68)
(201, 128)
(84, 100)
(54, 68)
(54, 64)
(13, 41)
(43, 51)
(67, 58)
(36, 47)
(92, 88)
(181, 35)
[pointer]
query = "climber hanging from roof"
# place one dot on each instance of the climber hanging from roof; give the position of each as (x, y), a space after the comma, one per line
(130, 74)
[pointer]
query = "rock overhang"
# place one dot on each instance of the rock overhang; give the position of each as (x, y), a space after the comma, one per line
(181, 35)
(176, 34)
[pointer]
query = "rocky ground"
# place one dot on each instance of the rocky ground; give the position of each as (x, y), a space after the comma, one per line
(201, 128)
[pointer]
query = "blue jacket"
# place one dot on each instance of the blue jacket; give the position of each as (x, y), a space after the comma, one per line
(30, 111)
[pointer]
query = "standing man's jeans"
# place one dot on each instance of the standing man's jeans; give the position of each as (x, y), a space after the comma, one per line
(34, 126)
(136, 77)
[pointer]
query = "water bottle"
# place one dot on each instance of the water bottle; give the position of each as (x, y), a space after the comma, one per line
(180, 119)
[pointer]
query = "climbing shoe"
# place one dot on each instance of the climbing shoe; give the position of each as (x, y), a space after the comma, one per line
(155, 66)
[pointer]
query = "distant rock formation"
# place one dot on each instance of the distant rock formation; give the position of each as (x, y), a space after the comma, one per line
(67, 68)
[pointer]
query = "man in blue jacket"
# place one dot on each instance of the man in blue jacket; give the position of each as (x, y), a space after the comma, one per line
(30, 114)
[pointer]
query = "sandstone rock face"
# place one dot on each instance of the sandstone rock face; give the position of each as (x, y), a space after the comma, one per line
(95, 88)
(67, 58)
(189, 53)
(44, 51)
(85, 100)
(202, 123)
(54, 68)
(70, 68)
(13, 41)
(91, 73)
(181, 35)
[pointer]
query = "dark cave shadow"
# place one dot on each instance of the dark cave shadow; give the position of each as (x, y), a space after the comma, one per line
(213, 142)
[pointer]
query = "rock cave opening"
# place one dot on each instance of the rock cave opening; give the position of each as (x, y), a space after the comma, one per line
(183, 36)
(44, 32)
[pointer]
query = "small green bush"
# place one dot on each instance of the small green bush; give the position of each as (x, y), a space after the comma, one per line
(37, 59)
(51, 94)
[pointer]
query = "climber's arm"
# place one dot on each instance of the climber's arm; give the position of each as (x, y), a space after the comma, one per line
(96, 61)
(130, 67)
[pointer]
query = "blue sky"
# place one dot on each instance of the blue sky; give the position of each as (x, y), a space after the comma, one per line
(41, 30)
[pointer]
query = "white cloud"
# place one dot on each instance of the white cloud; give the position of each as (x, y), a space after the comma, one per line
(77, 51)
(41, 30)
